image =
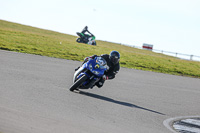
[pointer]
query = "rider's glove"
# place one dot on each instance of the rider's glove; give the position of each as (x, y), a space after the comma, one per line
(105, 77)
(87, 59)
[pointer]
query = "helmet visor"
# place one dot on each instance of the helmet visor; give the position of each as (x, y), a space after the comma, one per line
(114, 59)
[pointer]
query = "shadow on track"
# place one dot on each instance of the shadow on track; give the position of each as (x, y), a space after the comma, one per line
(117, 102)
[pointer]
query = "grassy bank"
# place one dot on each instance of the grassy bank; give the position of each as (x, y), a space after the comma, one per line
(26, 39)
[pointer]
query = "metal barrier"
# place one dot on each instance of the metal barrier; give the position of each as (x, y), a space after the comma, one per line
(179, 55)
(175, 54)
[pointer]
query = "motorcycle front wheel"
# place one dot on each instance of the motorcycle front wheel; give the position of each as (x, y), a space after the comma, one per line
(78, 83)
(94, 43)
(78, 40)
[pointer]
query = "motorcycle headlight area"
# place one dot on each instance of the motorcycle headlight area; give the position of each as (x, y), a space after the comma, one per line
(90, 67)
(95, 72)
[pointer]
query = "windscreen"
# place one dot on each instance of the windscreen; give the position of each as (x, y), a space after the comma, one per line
(102, 62)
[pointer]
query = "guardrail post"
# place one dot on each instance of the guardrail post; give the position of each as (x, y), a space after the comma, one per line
(191, 57)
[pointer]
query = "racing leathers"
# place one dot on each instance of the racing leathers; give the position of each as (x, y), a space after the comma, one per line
(88, 38)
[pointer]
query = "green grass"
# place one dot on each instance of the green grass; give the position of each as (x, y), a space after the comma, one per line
(27, 39)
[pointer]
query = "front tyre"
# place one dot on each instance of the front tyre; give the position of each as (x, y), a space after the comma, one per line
(78, 83)
(78, 40)
(94, 43)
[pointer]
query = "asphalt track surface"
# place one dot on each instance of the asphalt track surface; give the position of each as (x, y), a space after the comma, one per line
(34, 98)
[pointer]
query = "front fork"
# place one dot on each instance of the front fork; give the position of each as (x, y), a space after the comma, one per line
(92, 82)
(92, 78)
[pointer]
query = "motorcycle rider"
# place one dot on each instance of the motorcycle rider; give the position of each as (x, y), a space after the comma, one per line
(113, 63)
(88, 37)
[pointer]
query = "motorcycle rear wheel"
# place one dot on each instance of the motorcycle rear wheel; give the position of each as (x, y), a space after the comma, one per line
(78, 83)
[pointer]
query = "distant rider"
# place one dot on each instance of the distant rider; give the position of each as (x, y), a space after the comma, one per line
(88, 37)
(113, 64)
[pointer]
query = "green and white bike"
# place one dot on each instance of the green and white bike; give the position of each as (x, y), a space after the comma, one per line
(86, 38)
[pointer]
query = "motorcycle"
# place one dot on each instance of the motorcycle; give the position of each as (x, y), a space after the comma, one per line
(86, 38)
(89, 73)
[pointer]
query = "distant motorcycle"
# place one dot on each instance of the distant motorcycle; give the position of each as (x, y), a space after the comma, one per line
(86, 38)
(89, 73)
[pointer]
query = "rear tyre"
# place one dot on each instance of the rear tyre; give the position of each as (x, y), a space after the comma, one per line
(78, 83)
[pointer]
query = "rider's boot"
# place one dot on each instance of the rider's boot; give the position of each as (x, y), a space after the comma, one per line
(100, 83)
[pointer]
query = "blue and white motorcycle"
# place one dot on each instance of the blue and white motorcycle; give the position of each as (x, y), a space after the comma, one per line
(89, 73)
